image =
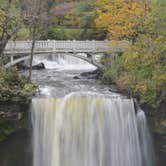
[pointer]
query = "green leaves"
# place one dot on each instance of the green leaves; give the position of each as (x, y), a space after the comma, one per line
(142, 68)
(85, 11)
(14, 87)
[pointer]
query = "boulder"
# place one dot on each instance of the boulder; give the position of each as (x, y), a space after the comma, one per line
(92, 74)
(23, 66)
(76, 77)
(38, 66)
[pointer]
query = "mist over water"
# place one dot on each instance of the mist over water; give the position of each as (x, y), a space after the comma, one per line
(89, 129)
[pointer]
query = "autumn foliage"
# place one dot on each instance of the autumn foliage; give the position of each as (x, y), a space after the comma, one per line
(119, 17)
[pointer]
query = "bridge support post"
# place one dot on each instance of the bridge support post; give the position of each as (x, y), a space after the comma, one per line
(54, 45)
(94, 45)
(11, 58)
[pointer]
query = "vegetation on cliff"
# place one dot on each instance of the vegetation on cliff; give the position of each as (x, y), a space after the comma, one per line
(13, 87)
(142, 68)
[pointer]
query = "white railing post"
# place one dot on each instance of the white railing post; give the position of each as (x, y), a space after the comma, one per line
(11, 58)
(74, 45)
(53, 42)
(94, 45)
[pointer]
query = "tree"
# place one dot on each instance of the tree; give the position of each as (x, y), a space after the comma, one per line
(85, 12)
(34, 17)
(142, 68)
(120, 18)
(48, 4)
(9, 22)
(36, 14)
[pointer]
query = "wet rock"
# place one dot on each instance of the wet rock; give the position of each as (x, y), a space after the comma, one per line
(13, 117)
(92, 74)
(157, 124)
(76, 77)
(22, 66)
(38, 66)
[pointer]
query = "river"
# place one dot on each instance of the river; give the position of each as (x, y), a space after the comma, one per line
(78, 122)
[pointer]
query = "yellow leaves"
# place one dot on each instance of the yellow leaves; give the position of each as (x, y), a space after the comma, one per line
(2, 18)
(119, 17)
(2, 15)
(159, 77)
(140, 88)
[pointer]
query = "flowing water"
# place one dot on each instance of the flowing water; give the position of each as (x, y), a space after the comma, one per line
(79, 122)
(86, 125)
(89, 130)
(63, 62)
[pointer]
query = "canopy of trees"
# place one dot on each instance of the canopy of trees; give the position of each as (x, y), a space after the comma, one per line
(142, 69)
(9, 22)
(120, 18)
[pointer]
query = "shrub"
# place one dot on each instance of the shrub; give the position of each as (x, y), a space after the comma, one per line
(56, 33)
(13, 87)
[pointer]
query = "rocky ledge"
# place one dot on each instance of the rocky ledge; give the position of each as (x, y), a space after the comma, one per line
(23, 66)
(89, 75)
(13, 117)
(157, 124)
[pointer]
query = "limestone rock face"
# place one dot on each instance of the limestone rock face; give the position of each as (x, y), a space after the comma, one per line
(157, 125)
(13, 117)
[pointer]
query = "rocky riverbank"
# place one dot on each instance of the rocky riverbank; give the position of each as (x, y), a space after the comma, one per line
(157, 124)
(13, 117)
(15, 96)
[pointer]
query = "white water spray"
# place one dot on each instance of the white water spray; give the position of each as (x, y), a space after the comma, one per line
(89, 130)
(63, 62)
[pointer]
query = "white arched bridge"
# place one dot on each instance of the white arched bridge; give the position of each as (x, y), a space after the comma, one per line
(20, 50)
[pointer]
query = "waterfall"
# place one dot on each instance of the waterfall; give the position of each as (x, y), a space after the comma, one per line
(63, 62)
(87, 129)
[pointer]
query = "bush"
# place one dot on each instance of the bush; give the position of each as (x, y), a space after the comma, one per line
(13, 87)
(62, 33)
(56, 33)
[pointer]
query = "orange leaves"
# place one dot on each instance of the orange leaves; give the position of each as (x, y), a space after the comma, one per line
(120, 17)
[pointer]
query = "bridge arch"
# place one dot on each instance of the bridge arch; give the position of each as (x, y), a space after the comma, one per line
(88, 59)
(14, 48)
(14, 62)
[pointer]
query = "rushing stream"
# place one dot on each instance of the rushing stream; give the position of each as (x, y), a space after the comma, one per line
(79, 122)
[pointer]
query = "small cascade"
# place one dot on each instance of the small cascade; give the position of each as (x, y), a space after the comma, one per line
(63, 62)
(146, 143)
(89, 129)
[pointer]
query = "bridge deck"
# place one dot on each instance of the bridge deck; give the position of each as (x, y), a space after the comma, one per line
(23, 48)
(50, 46)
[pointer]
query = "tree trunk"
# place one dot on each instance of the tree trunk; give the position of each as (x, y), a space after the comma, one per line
(2, 48)
(84, 33)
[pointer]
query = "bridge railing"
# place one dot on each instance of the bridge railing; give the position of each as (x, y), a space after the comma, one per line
(61, 46)
(28, 45)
